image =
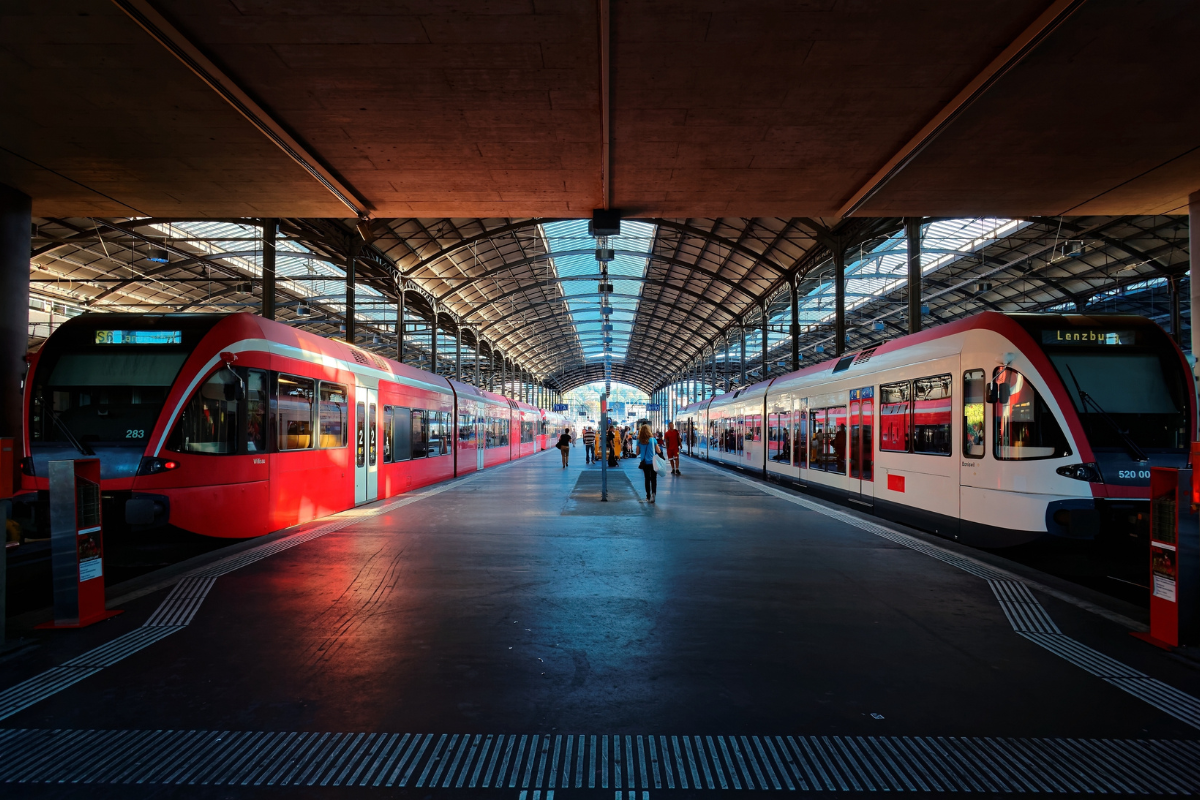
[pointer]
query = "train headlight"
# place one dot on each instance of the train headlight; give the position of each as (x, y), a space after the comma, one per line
(1082, 472)
(154, 466)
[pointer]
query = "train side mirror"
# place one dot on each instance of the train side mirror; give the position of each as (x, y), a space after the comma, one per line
(998, 392)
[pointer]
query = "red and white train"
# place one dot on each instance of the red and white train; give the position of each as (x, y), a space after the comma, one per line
(236, 426)
(995, 430)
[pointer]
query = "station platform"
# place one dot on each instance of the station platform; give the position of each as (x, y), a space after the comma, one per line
(509, 635)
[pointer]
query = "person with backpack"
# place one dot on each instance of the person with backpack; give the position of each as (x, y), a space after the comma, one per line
(564, 445)
(647, 447)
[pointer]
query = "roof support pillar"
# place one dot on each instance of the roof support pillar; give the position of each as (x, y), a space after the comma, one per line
(742, 380)
(766, 346)
(1176, 311)
(477, 383)
(725, 382)
(458, 352)
(713, 393)
(1194, 231)
(794, 295)
(503, 376)
(15, 227)
(912, 228)
(400, 325)
(433, 341)
(839, 287)
(350, 291)
(270, 227)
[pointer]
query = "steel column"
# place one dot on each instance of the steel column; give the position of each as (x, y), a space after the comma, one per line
(725, 382)
(270, 227)
(15, 228)
(477, 383)
(742, 330)
(912, 229)
(400, 327)
(1176, 311)
(766, 344)
(1194, 237)
(839, 312)
(713, 393)
(795, 327)
(433, 342)
(458, 352)
(350, 266)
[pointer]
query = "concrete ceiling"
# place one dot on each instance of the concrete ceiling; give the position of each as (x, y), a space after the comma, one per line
(492, 108)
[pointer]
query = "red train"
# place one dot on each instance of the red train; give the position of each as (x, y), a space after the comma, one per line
(231, 425)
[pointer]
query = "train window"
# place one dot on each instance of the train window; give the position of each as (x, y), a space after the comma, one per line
(294, 401)
(436, 437)
(388, 419)
(420, 434)
(895, 411)
(257, 403)
(932, 416)
(401, 434)
(466, 430)
(333, 427)
(837, 439)
(447, 443)
(974, 392)
(1023, 426)
(208, 423)
(800, 437)
(360, 435)
(372, 436)
(526, 432)
(778, 445)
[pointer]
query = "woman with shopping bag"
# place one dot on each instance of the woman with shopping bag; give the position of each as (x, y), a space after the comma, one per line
(647, 450)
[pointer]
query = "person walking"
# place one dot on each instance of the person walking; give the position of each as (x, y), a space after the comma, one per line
(673, 448)
(647, 446)
(564, 445)
(614, 446)
(589, 445)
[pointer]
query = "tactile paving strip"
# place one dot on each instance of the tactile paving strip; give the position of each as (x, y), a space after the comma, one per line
(608, 762)
(1022, 609)
(181, 605)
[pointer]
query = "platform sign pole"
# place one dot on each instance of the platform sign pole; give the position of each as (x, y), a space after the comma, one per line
(604, 447)
(76, 544)
(1174, 557)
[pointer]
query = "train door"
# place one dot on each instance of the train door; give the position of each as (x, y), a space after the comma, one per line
(366, 445)
(861, 445)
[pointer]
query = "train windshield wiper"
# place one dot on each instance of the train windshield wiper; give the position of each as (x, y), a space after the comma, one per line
(1085, 399)
(70, 437)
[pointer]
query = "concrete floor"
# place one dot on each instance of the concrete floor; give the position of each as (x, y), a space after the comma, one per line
(783, 642)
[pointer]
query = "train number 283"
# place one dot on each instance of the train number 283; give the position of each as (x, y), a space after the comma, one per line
(136, 434)
(1134, 474)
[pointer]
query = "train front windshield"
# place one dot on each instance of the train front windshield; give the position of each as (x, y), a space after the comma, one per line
(1126, 381)
(100, 385)
(104, 398)
(1140, 393)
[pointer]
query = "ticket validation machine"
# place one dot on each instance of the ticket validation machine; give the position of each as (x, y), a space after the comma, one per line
(1174, 556)
(76, 544)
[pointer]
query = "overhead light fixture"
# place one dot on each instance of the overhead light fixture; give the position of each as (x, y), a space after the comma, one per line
(981, 286)
(604, 254)
(606, 327)
(303, 310)
(158, 255)
(606, 287)
(364, 230)
(606, 311)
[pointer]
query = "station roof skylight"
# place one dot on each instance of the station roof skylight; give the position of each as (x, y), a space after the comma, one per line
(873, 273)
(573, 253)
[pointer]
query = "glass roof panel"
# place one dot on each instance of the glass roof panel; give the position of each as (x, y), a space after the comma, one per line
(573, 253)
